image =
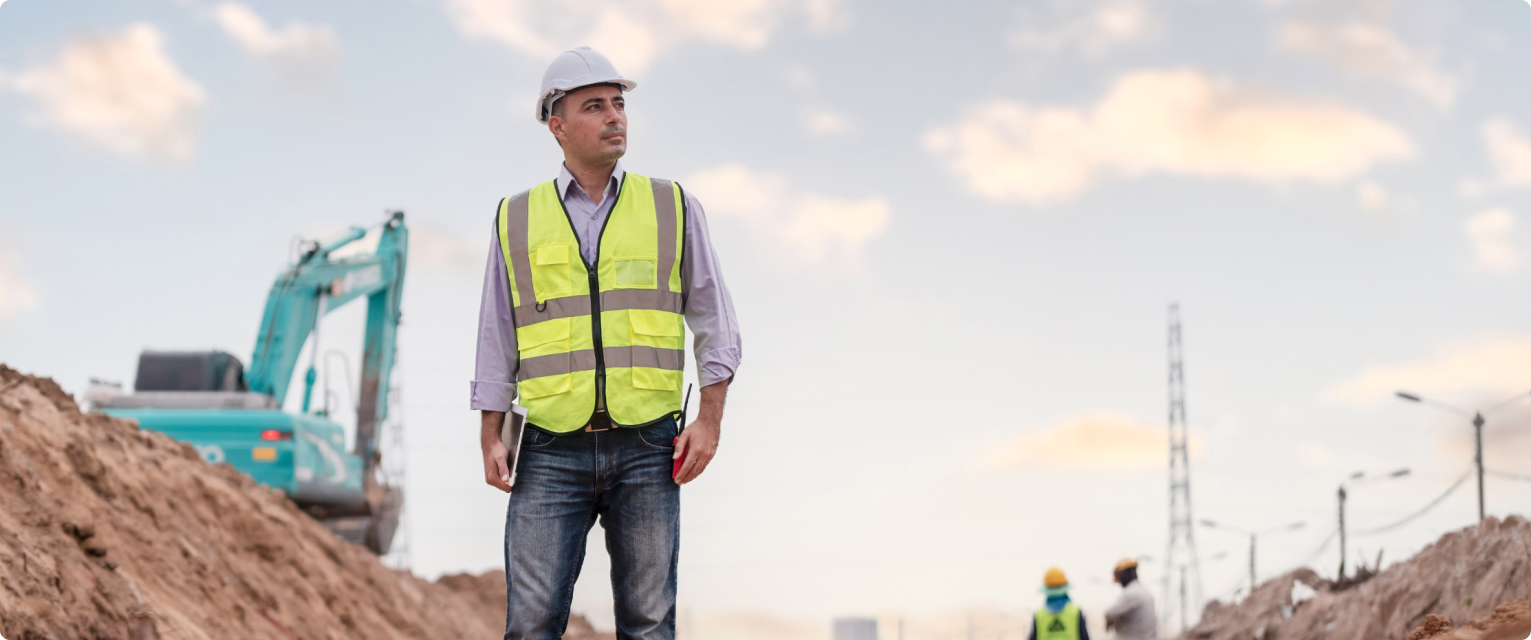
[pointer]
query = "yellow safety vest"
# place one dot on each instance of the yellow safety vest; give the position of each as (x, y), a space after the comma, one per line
(1063, 625)
(617, 325)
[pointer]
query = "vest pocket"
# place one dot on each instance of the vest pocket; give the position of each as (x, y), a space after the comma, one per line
(656, 379)
(636, 273)
(545, 386)
(660, 329)
(544, 338)
(550, 271)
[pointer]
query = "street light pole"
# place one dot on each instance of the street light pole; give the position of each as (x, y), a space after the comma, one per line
(1357, 478)
(1478, 458)
(1253, 537)
(1342, 531)
(1477, 433)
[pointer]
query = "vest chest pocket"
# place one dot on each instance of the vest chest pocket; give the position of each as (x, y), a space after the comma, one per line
(636, 273)
(551, 275)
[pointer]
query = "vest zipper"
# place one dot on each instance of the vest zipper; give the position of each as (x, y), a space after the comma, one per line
(595, 326)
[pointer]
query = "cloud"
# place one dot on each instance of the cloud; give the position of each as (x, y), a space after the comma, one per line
(1371, 197)
(634, 32)
(824, 122)
(303, 60)
(808, 227)
(435, 248)
(119, 91)
(1509, 151)
(16, 295)
(1366, 49)
(1492, 234)
(1095, 442)
(1495, 366)
(1170, 122)
(1091, 29)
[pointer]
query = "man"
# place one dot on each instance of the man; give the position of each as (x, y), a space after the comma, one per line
(589, 279)
(1058, 619)
(1133, 614)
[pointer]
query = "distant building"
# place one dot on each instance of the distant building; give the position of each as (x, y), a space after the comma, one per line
(855, 629)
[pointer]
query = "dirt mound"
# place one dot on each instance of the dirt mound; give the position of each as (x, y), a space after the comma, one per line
(1509, 621)
(108, 532)
(1461, 576)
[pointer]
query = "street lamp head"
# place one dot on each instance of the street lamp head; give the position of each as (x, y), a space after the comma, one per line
(1399, 473)
(1209, 523)
(1357, 475)
(1409, 396)
(1296, 525)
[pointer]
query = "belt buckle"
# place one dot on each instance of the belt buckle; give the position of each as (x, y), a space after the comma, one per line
(600, 418)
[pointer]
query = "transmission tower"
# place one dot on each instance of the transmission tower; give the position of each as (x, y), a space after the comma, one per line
(1180, 560)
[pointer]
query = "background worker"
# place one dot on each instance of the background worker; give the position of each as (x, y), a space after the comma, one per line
(1132, 616)
(589, 278)
(1059, 618)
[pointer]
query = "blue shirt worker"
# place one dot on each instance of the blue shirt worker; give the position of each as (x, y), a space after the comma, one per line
(1059, 618)
(592, 279)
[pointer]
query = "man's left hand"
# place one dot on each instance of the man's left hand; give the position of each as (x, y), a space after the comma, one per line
(700, 442)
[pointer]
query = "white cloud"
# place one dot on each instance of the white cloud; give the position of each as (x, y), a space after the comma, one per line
(824, 122)
(806, 226)
(633, 32)
(303, 60)
(1509, 151)
(1171, 122)
(119, 91)
(1492, 233)
(15, 294)
(1102, 441)
(1088, 28)
(1371, 50)
(1495, 366)
(435, 248)
(1371, 197)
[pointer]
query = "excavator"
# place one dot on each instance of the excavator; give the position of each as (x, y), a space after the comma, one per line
(230, 414)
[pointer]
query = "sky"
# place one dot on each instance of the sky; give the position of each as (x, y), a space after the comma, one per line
(952, 232)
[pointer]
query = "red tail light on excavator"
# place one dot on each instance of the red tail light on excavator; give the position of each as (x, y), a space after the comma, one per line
(274, 434)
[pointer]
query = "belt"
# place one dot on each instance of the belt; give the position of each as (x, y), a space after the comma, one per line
(601, 421)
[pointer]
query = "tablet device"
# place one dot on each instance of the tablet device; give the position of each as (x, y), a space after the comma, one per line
(511, 432)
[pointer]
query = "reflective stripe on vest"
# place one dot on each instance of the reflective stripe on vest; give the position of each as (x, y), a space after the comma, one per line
(641, 346)
(1063, 625)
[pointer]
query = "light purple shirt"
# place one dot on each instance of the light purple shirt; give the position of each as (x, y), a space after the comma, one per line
(709, 308)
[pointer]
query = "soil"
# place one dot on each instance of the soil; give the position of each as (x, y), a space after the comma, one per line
(1509, 621)
(108, 532)
(1459, 577)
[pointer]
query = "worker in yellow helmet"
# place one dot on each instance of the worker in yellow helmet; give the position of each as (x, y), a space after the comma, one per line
(1133, 615)
(1058, 619)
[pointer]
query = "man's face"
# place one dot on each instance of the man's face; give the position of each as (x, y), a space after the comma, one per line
(593, 125)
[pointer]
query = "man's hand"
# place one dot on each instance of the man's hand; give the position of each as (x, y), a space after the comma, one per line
(496, 472)
(700, 439)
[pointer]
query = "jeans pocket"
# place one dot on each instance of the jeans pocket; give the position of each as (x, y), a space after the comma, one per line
(537, 439)
(659, 436)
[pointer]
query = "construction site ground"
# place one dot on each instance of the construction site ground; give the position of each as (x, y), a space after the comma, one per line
(109, 532)
(1461, 579)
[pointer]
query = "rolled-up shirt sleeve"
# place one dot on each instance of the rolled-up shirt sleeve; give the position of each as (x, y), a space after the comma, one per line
(493, 387)
(709, 307)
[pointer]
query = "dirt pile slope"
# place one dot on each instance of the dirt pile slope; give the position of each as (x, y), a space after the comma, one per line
(105, 528)
(1461, 576)
(1509, 621)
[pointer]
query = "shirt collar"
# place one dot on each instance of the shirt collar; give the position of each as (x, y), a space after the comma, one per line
(565, 180)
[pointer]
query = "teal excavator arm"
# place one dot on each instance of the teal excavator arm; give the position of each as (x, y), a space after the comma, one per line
(317, 285)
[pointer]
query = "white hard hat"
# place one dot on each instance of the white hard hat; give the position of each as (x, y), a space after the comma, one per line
(572, 69)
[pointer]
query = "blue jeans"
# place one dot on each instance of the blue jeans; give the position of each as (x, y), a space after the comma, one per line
(564, 483)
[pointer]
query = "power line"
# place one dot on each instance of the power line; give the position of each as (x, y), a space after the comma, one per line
(1433, 503)
(1510, 476)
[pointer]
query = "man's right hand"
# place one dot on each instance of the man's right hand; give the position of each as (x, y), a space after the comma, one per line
(496, 471)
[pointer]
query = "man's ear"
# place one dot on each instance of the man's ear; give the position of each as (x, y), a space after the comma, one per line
(555, 126)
